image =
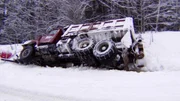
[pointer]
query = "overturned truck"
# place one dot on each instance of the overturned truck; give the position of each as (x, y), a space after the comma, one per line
(108, 44)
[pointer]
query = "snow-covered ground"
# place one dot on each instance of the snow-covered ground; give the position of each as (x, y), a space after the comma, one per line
(159, 82)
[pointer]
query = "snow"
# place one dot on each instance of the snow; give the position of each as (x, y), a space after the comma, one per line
(158, 81)
(163, 53)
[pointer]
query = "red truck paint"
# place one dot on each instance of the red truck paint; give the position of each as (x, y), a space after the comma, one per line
(5, 55)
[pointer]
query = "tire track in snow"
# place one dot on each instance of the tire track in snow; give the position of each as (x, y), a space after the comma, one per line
(13, 94)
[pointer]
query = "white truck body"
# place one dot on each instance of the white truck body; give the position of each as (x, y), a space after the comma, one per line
(116, 28)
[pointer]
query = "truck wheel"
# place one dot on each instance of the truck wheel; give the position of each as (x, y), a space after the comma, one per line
(27, 54)
(84, 46)
(104, 51)
(83, 49)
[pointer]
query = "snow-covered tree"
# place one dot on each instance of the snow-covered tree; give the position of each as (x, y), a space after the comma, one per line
(147, 14)
(29, 18)
(73, 11)
(25, 19)
(15, 29)
(3, 13)
(173, 19)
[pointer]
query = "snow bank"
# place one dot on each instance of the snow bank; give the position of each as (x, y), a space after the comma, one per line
(162, 51)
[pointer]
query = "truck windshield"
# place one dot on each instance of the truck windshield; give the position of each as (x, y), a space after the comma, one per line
(53, 32)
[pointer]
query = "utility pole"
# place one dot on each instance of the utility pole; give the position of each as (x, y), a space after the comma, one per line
(157, 19)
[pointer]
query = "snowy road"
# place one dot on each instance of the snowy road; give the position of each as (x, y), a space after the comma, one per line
(160, 82)
(31, 83)
(13, 94)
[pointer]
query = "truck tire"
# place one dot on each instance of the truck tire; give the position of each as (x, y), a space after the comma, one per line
(104, 51)
(83, 50)
(27, 54)
(84, 46)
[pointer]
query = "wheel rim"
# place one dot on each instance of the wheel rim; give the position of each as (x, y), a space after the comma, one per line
(26, 53)
(84, 44)
(103, 47)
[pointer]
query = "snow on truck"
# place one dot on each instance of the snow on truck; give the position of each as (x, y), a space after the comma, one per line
(108, 44)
